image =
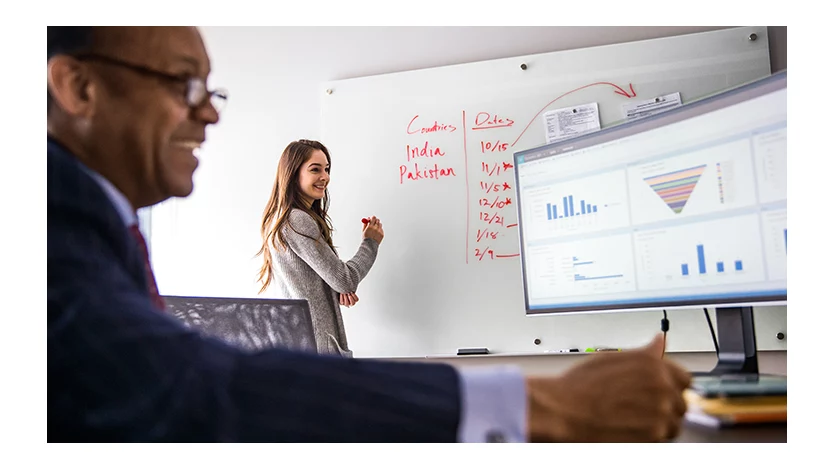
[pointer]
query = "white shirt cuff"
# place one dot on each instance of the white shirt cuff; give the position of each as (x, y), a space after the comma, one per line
(493, 405)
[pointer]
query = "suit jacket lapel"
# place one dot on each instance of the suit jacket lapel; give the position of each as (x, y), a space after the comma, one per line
(72, 189)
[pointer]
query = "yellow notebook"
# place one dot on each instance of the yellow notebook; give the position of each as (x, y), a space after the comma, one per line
(736, 405)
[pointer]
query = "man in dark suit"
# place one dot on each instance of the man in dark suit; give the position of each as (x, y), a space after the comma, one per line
(127, 107)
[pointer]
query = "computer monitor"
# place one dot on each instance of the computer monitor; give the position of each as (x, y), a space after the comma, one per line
(682, 209)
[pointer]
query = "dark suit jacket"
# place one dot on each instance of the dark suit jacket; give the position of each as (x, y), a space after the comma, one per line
(120, 370)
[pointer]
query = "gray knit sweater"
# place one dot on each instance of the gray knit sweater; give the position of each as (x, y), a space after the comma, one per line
(311, 270)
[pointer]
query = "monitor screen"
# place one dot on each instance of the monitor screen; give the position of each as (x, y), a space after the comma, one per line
(685, 208)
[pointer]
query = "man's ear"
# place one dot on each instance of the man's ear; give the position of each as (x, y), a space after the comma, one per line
(69, 82)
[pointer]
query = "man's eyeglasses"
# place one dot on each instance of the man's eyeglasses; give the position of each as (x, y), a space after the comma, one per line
(196, 92)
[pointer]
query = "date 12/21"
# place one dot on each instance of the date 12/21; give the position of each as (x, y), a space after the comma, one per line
(491, 218)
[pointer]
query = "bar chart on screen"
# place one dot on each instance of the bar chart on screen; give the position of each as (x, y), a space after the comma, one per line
(590, 265)
(711, 253)
(591, 204)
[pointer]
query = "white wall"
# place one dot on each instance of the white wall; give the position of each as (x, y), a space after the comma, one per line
(205, 245)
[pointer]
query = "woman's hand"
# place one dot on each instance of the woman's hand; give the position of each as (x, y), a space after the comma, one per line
(348, 300)
(373, 230)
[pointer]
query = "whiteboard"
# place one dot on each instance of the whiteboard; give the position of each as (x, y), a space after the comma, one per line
(429, 152)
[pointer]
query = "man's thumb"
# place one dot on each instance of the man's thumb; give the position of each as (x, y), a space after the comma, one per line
(656, 346)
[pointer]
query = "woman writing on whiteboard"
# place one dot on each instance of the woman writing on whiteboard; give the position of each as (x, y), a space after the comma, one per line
(298, 253)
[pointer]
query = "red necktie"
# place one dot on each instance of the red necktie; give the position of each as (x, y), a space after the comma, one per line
(152, 290)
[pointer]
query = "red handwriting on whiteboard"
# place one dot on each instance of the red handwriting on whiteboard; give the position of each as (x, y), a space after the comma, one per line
(490, 254)
(479, 253)
(425, 151)
(413, 128)
(494, 188)
(496, 146)
(486, 234)
(430, 173)
(498, 202)
(489, 187)
(492, 206)
(491, 218)
(488, 121)
(495, 168)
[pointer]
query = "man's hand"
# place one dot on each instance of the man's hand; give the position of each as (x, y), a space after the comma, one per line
(630, 396)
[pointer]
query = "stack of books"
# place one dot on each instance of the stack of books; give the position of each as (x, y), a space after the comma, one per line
(722, 401)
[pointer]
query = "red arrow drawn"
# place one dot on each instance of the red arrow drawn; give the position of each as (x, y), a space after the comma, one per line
(618, 91)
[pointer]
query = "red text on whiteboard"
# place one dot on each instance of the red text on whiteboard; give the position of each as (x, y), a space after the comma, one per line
(489, 121)
(414, 128)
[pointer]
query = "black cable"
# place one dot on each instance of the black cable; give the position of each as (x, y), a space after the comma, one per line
(711, 330)
(664, 327)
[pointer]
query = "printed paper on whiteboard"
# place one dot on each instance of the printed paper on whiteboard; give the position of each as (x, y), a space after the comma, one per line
(641, 109)
(561, 124)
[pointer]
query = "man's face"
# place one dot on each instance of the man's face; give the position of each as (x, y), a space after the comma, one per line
(143, 121)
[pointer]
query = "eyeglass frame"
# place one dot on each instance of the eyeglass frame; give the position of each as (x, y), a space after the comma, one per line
(193, 85)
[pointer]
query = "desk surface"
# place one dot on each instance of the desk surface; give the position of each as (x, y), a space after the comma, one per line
(692, 432)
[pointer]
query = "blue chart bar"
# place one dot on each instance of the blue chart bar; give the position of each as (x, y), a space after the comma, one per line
(580, 277)
(702, 264)
(569, 209)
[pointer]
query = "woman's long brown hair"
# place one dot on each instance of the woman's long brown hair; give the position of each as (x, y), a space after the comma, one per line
(286, 196)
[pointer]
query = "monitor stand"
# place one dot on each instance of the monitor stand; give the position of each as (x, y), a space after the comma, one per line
(736, 342)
